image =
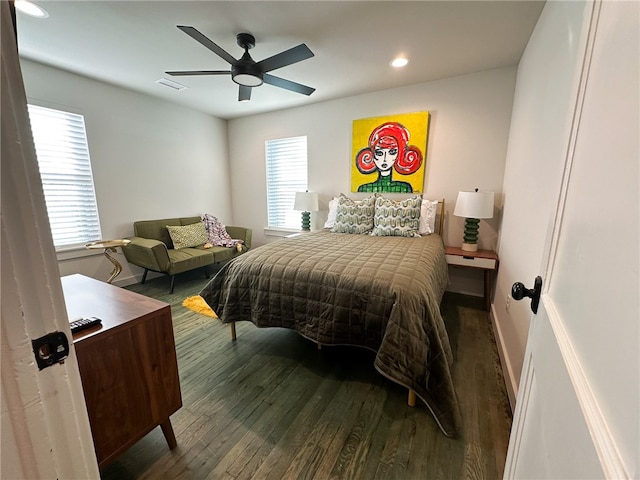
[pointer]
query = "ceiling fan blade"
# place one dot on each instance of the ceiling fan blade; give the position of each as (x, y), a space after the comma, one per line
(287, 84)
(183, 73)
(244, 93)
(199, 37)
(288, 57)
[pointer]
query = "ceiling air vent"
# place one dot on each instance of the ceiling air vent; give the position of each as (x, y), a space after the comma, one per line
(171, 84)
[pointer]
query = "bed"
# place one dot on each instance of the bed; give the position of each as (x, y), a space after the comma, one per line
(382, 293)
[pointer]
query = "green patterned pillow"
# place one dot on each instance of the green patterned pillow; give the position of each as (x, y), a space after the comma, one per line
(397, 218)
(185, 236)
(354, 216)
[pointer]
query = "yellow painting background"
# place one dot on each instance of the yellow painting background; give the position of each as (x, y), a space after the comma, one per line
(418, 125)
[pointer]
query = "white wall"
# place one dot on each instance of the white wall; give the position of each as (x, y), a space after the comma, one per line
(470, 118)
(150, 158)
(546, 89)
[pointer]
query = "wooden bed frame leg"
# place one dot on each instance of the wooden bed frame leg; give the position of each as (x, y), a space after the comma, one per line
(412, 398)
(319, 346)
(233, 330)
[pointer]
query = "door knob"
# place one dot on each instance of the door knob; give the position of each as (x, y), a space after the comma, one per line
(519, 291)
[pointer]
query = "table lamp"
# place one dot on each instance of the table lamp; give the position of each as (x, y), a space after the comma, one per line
(473, 206)
(306, 202)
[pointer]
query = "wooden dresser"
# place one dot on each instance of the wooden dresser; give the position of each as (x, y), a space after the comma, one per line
(128, 365)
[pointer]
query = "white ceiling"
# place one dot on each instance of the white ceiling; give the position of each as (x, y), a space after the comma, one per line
(132, 44)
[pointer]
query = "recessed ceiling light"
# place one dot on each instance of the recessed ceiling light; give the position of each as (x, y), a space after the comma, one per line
(30, 9)
(399, 62)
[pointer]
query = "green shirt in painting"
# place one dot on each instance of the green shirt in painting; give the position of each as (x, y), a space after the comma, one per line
(385, 184)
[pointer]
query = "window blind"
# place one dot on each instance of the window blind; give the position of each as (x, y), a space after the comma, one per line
(286, 174)
(65, 169)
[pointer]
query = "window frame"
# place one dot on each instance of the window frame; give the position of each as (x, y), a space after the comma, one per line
(67, 250)
(298, 183)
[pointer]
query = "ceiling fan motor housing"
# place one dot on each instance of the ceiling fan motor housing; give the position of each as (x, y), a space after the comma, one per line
(246, 72)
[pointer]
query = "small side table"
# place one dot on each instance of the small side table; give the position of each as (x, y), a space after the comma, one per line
(109, 246)
(487, 260)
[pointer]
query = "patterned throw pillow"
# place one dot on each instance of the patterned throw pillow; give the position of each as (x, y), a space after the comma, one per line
(397, 218)
(354, 216)
(185, 236)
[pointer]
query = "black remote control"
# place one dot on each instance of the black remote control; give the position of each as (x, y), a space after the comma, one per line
(83, 323)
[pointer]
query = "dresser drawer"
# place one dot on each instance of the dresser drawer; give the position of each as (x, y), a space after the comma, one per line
(477, 262)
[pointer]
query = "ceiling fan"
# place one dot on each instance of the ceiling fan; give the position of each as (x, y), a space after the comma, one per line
(246, 72)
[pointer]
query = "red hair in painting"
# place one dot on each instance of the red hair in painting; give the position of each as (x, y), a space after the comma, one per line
(390, 135)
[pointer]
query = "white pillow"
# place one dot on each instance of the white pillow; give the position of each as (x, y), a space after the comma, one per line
(428, 212)
(333, 207)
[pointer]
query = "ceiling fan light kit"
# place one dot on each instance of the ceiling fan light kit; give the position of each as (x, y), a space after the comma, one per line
(247, 79)
(246, 72)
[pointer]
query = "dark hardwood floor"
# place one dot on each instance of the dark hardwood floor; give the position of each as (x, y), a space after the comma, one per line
(272, 406)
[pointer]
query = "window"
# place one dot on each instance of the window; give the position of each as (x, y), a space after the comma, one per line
(65, 170)
(286, 175)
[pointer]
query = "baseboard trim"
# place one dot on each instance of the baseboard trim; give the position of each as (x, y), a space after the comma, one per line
(510, 379)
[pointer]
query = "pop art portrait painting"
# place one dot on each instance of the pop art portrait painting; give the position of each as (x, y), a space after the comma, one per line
(388, 153)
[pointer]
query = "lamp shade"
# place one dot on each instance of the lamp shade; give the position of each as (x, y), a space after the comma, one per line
(306, 202)
(474, 205)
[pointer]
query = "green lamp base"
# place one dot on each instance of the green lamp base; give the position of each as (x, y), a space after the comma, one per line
(306, 221)
(470, 242)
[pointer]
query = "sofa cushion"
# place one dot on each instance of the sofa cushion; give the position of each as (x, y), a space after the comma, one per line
(224, 253)
(186, 259)
(184, 236)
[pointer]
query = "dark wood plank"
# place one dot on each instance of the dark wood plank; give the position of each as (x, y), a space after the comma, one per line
(271, 406)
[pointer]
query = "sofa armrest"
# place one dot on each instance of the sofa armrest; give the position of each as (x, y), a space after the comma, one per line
(241, 233)
(147, 253)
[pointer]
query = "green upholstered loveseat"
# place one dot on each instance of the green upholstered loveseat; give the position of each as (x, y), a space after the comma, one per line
(152, 249)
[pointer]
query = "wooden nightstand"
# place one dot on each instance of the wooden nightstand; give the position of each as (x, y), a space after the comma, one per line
(487, 260)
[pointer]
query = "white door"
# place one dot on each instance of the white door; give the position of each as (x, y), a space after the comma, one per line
(44, 423)
(578, 406)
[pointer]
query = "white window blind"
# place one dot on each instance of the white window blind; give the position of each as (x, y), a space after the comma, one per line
(65, 169)
(286, 175)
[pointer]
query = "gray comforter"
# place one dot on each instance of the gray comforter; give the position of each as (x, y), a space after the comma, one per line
(381, 293)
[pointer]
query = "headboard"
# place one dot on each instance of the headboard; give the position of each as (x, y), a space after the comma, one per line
(440, 217)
